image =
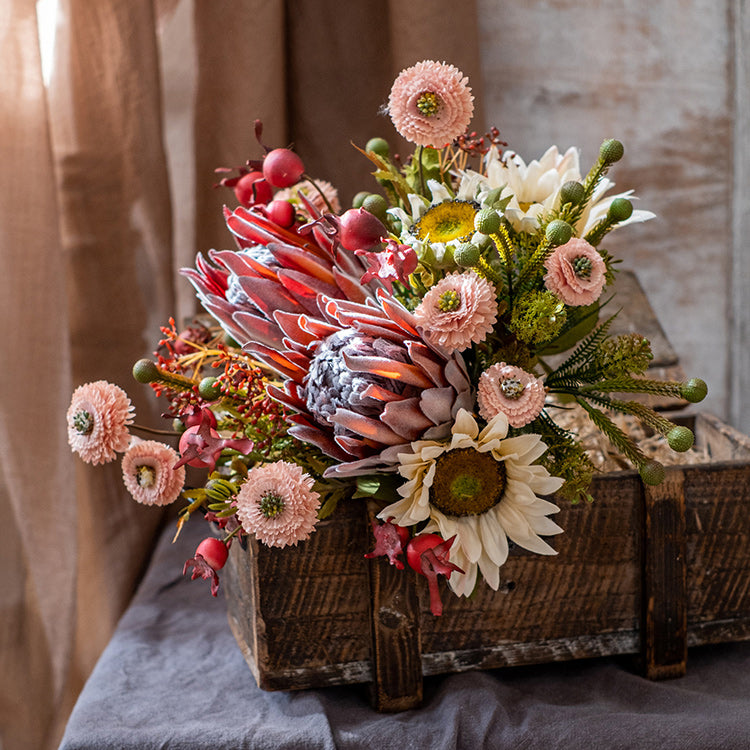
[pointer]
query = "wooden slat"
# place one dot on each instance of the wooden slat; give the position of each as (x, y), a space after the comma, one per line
(664, 629)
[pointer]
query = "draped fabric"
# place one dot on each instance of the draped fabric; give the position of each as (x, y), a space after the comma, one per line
(106, 190)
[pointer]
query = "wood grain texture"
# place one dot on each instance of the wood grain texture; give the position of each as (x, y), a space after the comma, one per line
(637, 571)
(664, 605)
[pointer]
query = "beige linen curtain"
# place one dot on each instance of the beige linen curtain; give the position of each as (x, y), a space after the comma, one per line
(105, 191)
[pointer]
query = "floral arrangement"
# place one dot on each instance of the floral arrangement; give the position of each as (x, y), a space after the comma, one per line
(413, 350)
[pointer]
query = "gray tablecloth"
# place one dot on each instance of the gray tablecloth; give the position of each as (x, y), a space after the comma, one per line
(173, 677)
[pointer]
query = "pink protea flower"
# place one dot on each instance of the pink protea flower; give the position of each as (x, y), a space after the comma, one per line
(458, 311)
(98, 419)
(575, 273)
(149, 474)
(511, 391)
(276, 503)
(395, 263)
(431, 103)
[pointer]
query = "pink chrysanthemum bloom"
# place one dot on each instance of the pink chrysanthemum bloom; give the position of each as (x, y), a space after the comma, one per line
(458, 311)
(277, 504)
(575, 273)
(98, 419)
(509, 390)
(148, 473)
(431, 103)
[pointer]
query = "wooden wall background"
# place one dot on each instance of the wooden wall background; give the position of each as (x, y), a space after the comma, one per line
(670, 79)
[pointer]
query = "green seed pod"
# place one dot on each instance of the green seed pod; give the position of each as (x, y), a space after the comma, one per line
(209, 389)
(359, 198)
(376, 205)
(378, 146)
(487, 221)
(178, 426)
(558, 232)
(572, 192)
(694, 390)
(611, 151)
(652, 472)
(145, 371)
(466, 255)
(620, 209)
(680, 439)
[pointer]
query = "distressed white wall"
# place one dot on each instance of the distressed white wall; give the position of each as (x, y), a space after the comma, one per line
(661, 77)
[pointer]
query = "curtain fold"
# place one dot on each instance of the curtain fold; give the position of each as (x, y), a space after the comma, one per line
(93, 230)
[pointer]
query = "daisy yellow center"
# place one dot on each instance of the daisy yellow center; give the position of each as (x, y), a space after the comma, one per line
(449, 220)
(582, 267)
(512, 388)
(428, 103)
(83, 422)
(271, 505)
(525, 205)
(449, 301)
(467, 483)
(145, 476)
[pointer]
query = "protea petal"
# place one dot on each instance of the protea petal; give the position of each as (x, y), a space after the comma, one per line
(366, 427)
(389, 368)
(405, 418)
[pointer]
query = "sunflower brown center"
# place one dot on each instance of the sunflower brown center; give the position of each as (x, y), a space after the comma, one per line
(428, 103)
(467, 483)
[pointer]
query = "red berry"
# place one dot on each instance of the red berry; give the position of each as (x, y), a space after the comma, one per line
(360, 230)
(417, 546)
(281, 212)
(213, 551)
(251, 188)
(282, 168)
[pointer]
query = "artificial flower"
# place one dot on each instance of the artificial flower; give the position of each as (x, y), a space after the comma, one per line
(431, 103)
(481, 487)
(576, 273)
(509, 390)
(460, 310)
(98, 419)
(277, 504)
(394, 263)
(150, 474)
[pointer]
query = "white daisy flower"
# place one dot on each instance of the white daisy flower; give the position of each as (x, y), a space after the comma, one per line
(482, 487)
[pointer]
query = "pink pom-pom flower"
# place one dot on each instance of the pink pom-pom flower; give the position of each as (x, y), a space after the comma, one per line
(509, 390)
(431, 103)
(575, 273)
(277, 504)
(149, 474)
(98, 419)
(460, 310)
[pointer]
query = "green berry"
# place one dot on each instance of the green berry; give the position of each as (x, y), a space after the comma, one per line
(694, 390)
(652, 472)
(487, 221)
(378, 146)
(209, 389)
(178, 426)
(680, 439)
(558, 232)
(611, 151)
(145, 371)
(572, 192)
(466, 255)
(376, 205)
(359, 198)
(620, 209)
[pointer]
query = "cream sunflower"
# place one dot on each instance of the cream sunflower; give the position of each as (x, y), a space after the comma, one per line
(481, 487)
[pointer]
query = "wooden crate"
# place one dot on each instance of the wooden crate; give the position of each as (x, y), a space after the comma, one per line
(643, 570)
